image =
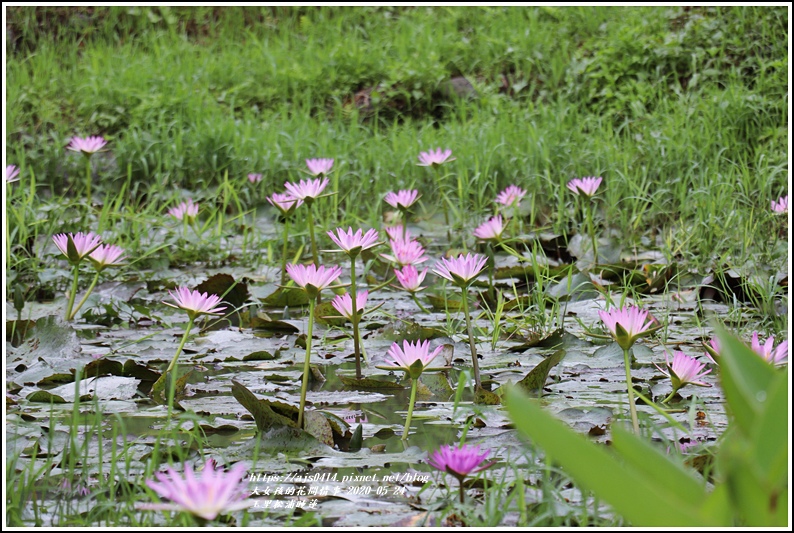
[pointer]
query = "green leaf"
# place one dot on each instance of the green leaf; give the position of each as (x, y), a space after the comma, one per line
(533, 382)
(770, 437)
(264, 416)
(630, 491)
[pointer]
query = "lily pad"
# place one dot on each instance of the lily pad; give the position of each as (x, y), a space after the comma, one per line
(536, 378)
(287, 297)
(368, 383)
(51, 354)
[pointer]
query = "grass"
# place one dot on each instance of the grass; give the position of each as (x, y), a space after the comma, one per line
(683, 111)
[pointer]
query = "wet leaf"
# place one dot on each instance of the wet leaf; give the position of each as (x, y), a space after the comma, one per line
(233, 293)
(261, 355)
(541, 340)
(438, 384)
(262, 321)
(287, 297)
(368, 383)
(262, 410)
(104, 388)
(316, 425)
(17, 330)
(357, 439)
(534, 381)
(485, 397)
(327, 315)
(442, 303)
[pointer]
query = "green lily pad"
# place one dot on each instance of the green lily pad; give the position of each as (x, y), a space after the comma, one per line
(534, 381)
(287, 297)
(486, 397)
(368, 383)
(262, 410)
(327, 315)
(262, 355)
(316, 425)
(442, 303)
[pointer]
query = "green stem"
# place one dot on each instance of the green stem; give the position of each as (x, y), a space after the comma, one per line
(87, 294)
(355, 317)
(311, 235)
(591, 227)
(172, 366)
(410, 410)
(474, 363)
(379, 287)
(417, 302)
(670, 397)
(491, 268)
(461, 492)
(73, 293)
(88, 181)
(305, 383)
(443, 200)
(632, 407)
(284, 252)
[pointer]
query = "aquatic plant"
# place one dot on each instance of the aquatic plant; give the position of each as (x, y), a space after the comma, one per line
(460, 461)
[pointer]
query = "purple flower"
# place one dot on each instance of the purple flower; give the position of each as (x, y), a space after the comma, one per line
(459, 461)
(406, 253)
(76, 246)
(627, 324)
(395, 233)
(402, 199)
(195, 302)
(106, 255)
(413, 358)
(313, 279)
(713, 349)
(490, 230)
(511, 195)
(410, 278)
(462, 270)
(319, 167)
(185, 210)
(214, 493)
(344, 304)
(586, 186)
(286, 203)
(781, 206)
(12, 173)
(307, 189)
(435, 158)
(684, 370)
(254, 178)
(87, 146)
(354, 243)
(765, 350)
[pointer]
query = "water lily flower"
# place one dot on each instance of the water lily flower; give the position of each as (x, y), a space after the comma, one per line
(410, 278)
(406, 253)
(87, 145)
(585, 186)
(684, 370)
(511, 195)
(412, 358)
(254, 178)
(396, 233)
(286, 203)
(12, 173)
(713, 349)
(781, 206)
(775, 356)
(435, 158)
(460, 461)
(106, 255)
(627, 324)
(206, 496)
(490, 230)
(354, 243)
(76, 246)
(307, 189)
(319, 167)
(402, 199)
(344, 304)
(461, 270)
(313, 279)
(195, 303)
(185, 210)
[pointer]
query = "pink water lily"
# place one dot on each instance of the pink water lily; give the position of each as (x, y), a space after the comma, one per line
(412, 355)
(185, 210)
(775, 356)
(406, 253)
(354, 243)
(254, 178)
(627, 324)
(83, 244)
(344, 304)
(781, 206)
(460, 461)
(87, 145)
(461, 270)
(684, 370)
(307, 189)
(196, 303)
(212, 493)
(12, 173)
(435, 157)
(319, 167)
(491, 230)
(586, 186)
(286, 203)
(713, 350)
(395, 233)
(106, 255)
(313, 279)
(511, 195)
(410, 278)
(402, 199)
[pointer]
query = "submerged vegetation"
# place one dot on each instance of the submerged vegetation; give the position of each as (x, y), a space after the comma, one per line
(605, 192)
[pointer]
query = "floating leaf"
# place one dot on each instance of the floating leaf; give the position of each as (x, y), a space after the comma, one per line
(534, 381)
(485, 397)
(262, 410)
(316, 425)
(442, 303)
(287, 297)
(368, 383)
(232, 292)
(261, 355)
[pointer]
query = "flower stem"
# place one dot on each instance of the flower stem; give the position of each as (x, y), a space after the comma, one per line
(474, 363)
(491, 269)
(670, 397)
(632, 407)
(305, 382)
(73, 293)
(88, 181)
(311, 235)
(171, 370)
(461, 491)
(355, 317)
(443, 200)
(284, 252)
(417, 302)
(591, 227)
(410, 409)
(87, 294)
